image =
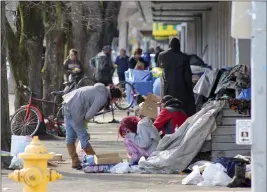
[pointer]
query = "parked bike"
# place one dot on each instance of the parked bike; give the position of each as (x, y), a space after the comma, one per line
(27, 119)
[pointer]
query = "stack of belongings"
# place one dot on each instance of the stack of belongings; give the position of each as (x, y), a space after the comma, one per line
(215, 84)
(198, 67)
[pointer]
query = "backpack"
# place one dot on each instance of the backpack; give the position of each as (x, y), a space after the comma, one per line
(104, 68)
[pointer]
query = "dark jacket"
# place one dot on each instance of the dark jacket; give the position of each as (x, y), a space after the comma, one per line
(122, 63)
(170, 117)
(177, 78)
(132, 62)
(103, 68)
(157, 56)
(69, 65)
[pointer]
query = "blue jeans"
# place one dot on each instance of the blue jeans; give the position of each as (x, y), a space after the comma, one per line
(74, 131)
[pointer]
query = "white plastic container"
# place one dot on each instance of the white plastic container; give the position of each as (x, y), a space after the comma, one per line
(18, 144)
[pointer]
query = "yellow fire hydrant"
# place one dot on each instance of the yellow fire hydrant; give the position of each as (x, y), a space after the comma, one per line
(35, 175)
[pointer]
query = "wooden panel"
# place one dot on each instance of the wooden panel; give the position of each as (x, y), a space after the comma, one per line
(230, 120)
(223, 138)
(227, 112)
(228, 147)
(224, 130)
(232, 153)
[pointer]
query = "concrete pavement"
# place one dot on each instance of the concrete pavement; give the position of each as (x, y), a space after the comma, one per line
(104, 138)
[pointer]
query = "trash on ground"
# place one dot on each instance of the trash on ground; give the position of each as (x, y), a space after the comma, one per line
(108, 158)
(215, 175)
(194, 177)
(121, 168)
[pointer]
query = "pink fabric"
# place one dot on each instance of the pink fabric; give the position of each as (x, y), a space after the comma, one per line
(134, 151)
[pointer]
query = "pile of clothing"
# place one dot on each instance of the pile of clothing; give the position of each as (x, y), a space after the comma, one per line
(227, 83)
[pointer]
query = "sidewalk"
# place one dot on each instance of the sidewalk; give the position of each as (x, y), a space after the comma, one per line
(104, 138)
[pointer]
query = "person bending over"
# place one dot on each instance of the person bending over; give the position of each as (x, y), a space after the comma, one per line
(140, 136)
(79, 107)
(171, 115)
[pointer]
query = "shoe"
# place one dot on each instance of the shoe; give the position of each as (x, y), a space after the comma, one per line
(76, 164)
(239, 178)
(89, 150)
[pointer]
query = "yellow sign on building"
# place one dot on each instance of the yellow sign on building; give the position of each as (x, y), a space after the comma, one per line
(164, 30)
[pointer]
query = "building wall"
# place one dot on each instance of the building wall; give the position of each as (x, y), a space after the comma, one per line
(216, 35)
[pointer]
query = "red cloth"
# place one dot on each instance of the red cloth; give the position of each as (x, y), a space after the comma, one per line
(177, 118)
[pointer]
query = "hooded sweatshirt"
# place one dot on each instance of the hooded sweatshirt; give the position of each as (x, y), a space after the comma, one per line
(146, 136)
(170, 117)
(83, 103)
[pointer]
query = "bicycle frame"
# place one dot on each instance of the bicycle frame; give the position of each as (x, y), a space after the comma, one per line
(31, 105)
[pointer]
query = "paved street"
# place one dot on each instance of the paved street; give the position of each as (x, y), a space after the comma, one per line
(104, 138)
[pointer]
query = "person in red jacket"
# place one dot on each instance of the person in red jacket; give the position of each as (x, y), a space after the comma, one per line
(171, 115)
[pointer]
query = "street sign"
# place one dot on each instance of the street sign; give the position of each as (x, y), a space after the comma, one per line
(243, 132)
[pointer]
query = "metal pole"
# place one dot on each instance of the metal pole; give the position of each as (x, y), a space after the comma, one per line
(258, 61)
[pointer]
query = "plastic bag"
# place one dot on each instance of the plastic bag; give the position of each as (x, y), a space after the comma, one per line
(245, 94)
(120, 168)
(193, 178)
(214, 175)
(16, 163)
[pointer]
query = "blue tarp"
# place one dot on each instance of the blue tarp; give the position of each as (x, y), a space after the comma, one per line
(142, 81)
(156, 87)
(245, 94)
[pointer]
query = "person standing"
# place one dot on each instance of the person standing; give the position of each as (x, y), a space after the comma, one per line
(136, 61)
(177, 76)
(122, 64)
(73, 66)
(79, 106)
(158, 51)
(103, 66)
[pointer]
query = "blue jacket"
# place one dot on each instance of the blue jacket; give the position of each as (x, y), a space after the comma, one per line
(122, 63)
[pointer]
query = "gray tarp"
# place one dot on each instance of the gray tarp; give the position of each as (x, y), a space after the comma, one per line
(176, 151)
(205, 83)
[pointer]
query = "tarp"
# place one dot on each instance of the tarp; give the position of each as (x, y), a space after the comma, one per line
(176, 151)
(205, 83)
(142, 80)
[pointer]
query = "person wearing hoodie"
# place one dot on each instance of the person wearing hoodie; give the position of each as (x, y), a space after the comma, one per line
(177, 76)
(140, 136)
(103, 67)
(171, 115)
(79, 106)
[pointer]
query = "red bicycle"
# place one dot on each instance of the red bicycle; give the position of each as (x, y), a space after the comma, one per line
(27, 119)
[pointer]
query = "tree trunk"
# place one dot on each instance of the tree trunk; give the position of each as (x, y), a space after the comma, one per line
(103, 29)
(33, 30)
(5, 124)
(53, 70)
(54, 20)
(17, 57)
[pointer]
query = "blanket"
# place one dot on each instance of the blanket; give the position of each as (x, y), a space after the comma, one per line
(176, 151)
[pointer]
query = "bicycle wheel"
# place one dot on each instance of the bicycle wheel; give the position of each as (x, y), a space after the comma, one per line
(60, 123)
(25, 124)
(128, 93)
(85, 82)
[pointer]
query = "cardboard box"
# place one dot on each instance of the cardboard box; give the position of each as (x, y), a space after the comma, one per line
(149, 107)
(107, 159)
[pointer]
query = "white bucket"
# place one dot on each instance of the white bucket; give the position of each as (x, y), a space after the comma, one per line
(18, 144)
